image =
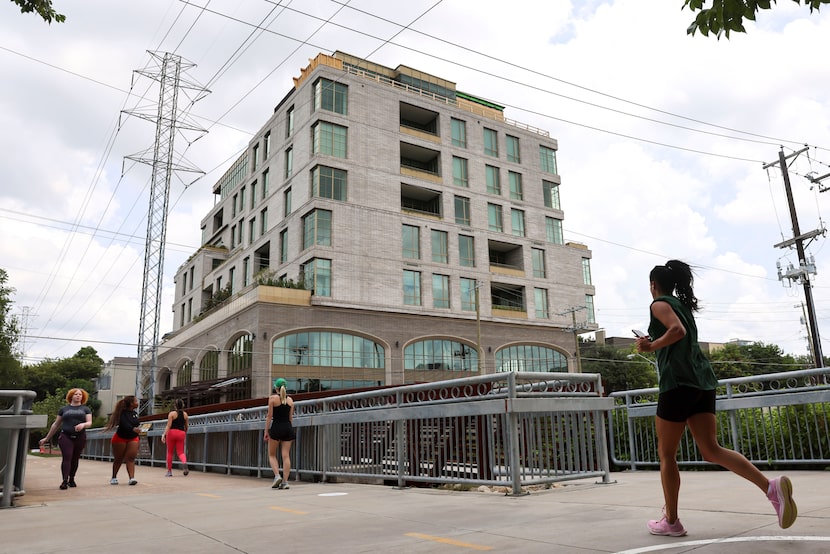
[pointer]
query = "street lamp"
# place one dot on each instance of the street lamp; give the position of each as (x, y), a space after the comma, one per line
(479, 353)
(649, 360)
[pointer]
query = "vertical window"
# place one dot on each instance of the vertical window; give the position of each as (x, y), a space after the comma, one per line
(232, 279)
(283, 246)
(317, 229)
(329, 139)
(493, 179)
(189, 310)
(491, 142)
(411, 242)
(516, 192)
(316, 274)
(512, 149)
(466, 251)
(517, 222)
(459, 172)
(459, 132)
(263, 221)
(553, 230)
(286, 196)
(331, 96)
(327, 182)
(253, 195)
(540, 297)
(241, 200)
(251, 230)
(411, 287)
(589, 308)
(181, 317)
(266, 145)
(255, 157)
(440, 291)
(547, 159)
(192, 269)
(265, 175)
(246, 267)
(289, 161)
(468, 294)
(550, 193)
(240, 232)
(289, 121)
(233, 206)
(462, 210)
(494, 221)
(233, 236)
(538, 258)
(440, 246)
(586, 271)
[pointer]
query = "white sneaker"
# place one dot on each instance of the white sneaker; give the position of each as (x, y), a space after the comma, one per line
(277, 482)
(133, 482)
(113, 481)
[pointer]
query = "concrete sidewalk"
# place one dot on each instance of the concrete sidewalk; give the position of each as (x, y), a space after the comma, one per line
(211, 513)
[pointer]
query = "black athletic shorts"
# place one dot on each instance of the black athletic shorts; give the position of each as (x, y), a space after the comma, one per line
(681, 403)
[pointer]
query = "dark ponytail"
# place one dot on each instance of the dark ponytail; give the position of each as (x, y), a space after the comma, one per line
(676, 276)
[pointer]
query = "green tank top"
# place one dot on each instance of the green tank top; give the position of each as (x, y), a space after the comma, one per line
(683, 362)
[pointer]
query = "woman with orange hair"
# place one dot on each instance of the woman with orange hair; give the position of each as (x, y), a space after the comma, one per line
(73, 420)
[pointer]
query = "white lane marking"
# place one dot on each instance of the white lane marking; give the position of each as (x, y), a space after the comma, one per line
(670, 545)
(333, 494)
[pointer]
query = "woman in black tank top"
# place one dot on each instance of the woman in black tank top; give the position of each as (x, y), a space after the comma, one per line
(175, 435)
(279, 431)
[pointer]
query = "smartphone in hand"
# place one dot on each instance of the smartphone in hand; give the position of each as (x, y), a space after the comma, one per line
(638, 334)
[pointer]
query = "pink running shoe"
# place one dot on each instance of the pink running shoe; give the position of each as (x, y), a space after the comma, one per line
(663, 527)
(780, 493)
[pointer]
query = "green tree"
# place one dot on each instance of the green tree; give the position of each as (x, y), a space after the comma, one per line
(42, 7)
(727, 16)
(11, 372)
(735, 360)
(53, 376)
(619, 371)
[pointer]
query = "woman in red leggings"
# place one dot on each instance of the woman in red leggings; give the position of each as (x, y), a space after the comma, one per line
(174, 435)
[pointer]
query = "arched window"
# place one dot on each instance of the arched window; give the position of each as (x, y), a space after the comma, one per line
(530, 357)
(240, 363)
(440, 354)
(185, 375)
(240, 358)
(209, 366)
(328, 349)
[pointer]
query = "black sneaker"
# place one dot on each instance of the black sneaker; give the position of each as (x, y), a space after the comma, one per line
(63, 486)
(72, 483)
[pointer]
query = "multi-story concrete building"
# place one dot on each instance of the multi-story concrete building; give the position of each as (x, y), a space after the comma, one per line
(116, 381)
(425, 225)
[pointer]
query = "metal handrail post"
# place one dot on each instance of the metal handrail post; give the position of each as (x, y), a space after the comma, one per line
(513, 435)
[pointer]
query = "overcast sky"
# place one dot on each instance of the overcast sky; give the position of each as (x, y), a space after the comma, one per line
(662, 142)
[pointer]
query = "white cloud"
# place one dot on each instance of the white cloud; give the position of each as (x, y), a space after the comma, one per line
(634, 201)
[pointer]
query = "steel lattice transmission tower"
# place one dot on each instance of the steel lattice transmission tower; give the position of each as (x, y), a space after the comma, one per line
(167, 69)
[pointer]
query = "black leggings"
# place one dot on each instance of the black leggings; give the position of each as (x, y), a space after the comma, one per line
(71, 450)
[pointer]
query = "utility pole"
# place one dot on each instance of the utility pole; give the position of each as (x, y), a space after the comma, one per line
(805, 267)
(24, 331)
(575, 329)
(169, 121)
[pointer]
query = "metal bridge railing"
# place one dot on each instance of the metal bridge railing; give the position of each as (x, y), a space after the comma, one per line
(16, 421)
(775, 419)
(510, 429)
